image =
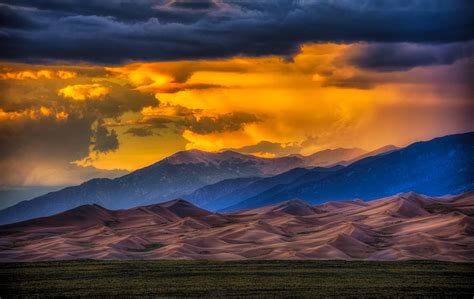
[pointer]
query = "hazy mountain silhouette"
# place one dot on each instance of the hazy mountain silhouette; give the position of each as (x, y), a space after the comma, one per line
(437, 167)
(176, 175)
(232, 191)
(329, 157)
(382, 150)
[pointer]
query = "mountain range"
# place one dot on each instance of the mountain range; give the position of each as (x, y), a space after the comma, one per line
(171, 177)
(404, 226)
(437, 167)
(226, 193)
(174, 176)
(229, 181)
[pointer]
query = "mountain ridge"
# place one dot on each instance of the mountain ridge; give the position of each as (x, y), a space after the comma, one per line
(440, 166)
(171, 177)
(160, 181)
(168, 179)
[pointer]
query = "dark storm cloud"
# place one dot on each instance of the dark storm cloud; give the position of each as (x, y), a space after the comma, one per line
(224, 122)
(199, 5)
(275, 148)
(397, 63)
(10, 18)
(18, 95)
(121, 99)
(157, 122)
(32, 148)
(46, 136)
(404, 56)
(139, 132)
(119, 31)
(233, 121)
(35, 142)
(103, 140)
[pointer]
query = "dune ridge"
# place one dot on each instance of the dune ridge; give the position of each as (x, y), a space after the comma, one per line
(401, 227)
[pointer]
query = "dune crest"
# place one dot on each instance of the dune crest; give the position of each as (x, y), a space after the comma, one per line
(405, 226)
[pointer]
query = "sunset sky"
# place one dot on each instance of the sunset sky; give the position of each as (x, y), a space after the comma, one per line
(94, 88)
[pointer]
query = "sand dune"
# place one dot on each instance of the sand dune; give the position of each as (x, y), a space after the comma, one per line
(405, 226)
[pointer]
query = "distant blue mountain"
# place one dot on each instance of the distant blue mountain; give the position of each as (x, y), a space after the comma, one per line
(441, 166)
(232, 191)
(219, 195)
(172, 177)
(230, 180)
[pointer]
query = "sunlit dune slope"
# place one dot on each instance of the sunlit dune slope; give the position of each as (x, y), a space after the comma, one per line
(405, 226)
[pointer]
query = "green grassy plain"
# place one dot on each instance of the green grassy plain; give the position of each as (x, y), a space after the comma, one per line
(247, 278)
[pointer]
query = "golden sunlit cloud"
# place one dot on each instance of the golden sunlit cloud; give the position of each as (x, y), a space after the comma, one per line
(81, 92)
(39, 74)
(317, 96)
(316, 100)
(33, 114)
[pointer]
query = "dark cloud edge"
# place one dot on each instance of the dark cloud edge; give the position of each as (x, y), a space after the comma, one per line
(244, 29)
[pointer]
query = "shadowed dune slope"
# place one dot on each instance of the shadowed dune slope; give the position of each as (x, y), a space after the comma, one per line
(405, 226)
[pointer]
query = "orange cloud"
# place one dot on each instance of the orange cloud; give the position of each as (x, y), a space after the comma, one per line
(316, 96)
(314, 101)
(38, 74)
(81, 92)
(33, 114)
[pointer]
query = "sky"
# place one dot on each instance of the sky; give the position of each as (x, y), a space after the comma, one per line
(99, 88)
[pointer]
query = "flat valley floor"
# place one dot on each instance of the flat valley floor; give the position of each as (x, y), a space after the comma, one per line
(159, 278)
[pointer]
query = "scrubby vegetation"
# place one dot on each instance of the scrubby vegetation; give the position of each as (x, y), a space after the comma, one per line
(246, 278)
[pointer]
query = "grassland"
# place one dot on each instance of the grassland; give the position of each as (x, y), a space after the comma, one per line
(247, 278)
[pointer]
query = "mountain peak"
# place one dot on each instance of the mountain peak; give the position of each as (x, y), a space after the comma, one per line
(184, 208)
(81, 216)
(178, 202)
(410, 195)
(88, 209)
(330, 156)
(196, 156)
(387, 148)
(296, 207)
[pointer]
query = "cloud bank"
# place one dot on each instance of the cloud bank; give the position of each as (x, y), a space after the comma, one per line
(113, 32)
(263, 77)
